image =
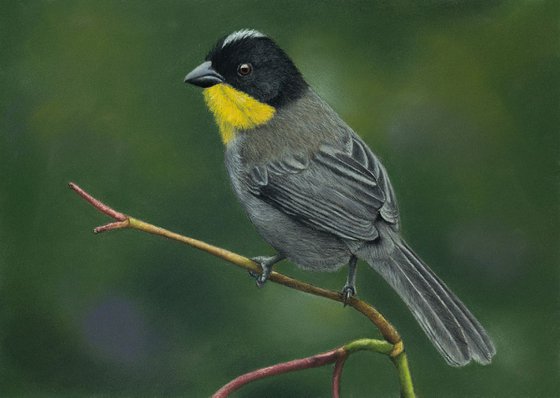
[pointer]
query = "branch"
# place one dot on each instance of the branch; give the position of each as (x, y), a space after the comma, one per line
(338, 356)
(337, 374)
(387, 330)
(285, 367)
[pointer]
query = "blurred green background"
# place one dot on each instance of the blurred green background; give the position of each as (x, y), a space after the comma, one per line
(459, 99)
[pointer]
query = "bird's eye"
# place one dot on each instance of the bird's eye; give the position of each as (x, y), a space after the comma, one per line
(244, 69)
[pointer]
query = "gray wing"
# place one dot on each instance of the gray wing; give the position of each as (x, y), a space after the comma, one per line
(341, 190)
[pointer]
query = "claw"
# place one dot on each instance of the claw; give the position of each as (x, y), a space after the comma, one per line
(254, 274)
(347, 292)
(349, 288)
(266, 264)
(261, 280)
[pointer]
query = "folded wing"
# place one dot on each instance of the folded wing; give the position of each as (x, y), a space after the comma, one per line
(342, 190)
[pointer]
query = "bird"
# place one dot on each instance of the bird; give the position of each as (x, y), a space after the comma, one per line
(315, 191)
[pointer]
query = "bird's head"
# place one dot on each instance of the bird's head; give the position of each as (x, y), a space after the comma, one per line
(246, 78)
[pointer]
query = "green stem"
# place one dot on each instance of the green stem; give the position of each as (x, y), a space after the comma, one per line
(405, 379)
(374, 345)
(400, 360)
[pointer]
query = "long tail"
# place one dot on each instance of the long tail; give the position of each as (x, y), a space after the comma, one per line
(453, 330)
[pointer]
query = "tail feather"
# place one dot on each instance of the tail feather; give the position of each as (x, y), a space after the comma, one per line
(480, 345)
(451, 327)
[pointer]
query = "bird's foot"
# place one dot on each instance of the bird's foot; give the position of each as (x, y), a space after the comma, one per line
(347, 292)
(349, 288)
(266, 264)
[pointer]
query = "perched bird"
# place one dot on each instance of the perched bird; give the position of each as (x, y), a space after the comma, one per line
(315, 191)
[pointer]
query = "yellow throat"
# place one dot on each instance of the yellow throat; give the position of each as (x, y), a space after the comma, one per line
(235, 110)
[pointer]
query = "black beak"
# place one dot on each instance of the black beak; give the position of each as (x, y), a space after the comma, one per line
(204, 76)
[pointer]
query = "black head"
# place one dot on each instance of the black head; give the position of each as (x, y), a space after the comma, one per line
(251, 62)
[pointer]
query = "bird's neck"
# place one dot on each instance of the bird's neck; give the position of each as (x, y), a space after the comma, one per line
(234, 110)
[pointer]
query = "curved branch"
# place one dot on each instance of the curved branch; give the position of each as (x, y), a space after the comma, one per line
(284, 367)
(337, 374)
(338, 356)
(387, 330)
(124, 221)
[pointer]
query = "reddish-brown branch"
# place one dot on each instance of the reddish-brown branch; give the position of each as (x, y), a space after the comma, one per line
(337, 373)
(285, 367)
(102, 207)
(122, 219)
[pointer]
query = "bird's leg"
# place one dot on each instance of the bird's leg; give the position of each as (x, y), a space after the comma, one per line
(349, 288)
(266, 264)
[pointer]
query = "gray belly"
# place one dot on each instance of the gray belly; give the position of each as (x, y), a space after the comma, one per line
(306, 247)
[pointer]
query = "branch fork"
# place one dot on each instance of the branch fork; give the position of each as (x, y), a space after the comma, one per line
(392, 346)
(121, 219)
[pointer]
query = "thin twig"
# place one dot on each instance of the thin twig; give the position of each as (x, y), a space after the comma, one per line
(313, 361)
(102, 207)
(124, 221)
(388, 331)
(337, 374)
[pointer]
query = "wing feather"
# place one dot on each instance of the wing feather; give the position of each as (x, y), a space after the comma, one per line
(340, 190)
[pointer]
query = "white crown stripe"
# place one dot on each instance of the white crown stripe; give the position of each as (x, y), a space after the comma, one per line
(242, 34)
